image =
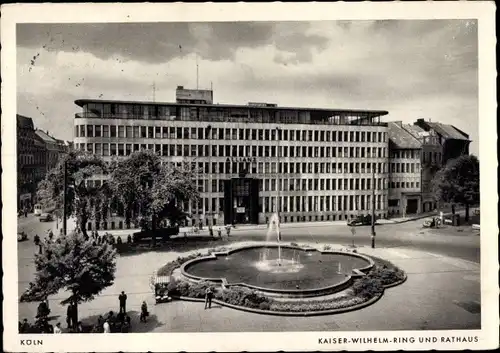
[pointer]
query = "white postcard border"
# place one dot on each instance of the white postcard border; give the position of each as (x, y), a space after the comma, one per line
(252, 341)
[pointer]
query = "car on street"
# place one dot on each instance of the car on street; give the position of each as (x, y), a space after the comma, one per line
(22, 236)
(46, 217)
(361, 221)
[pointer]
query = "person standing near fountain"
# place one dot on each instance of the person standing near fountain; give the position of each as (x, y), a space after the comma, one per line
(208, 297)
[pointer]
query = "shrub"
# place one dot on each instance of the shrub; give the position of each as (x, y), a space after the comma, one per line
(367, 287)
(186, 289)
(327, 247)
(264, 306)
(243, 296)
(387, 275)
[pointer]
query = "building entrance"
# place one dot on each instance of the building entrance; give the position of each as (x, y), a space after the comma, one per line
(241, 200)
(412, 206)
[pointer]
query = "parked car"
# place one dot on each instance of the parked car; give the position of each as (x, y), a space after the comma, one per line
(361, 221)
(46, 217)
(22, 236)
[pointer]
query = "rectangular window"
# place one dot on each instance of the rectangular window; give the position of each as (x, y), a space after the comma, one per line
(113, 130)
(98, 149)
(121, 131)
(97, 131)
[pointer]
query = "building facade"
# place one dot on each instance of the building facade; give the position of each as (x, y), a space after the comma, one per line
(405, 187)
(252, 160)
(54, 148)
(454, 142)
(431, 161)
(30, 162)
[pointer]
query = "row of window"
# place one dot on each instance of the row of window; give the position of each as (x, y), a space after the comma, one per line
(293, 184)
(288, 204)
(405, 167)
(125, 149)
(222, 114)
(229, 167)
(404, 184)
(243, 134)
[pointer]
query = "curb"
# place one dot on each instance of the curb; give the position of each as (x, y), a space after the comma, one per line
(287, 313)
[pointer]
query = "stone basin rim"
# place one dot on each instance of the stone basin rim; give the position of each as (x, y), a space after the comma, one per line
(332, 289)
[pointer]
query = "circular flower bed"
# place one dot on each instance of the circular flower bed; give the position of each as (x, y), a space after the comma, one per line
(364, 291)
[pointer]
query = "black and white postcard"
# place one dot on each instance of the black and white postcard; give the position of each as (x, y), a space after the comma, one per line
(249, 177)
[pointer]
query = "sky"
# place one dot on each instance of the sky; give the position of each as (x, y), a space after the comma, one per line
(411, 68)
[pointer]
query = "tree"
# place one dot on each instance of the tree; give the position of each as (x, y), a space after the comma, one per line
(458, 182)
(149, 191)
(75, 265)
(81, 197)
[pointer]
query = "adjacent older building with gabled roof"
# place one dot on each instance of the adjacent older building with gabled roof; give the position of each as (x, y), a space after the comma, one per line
(454, 141)
(405, 182)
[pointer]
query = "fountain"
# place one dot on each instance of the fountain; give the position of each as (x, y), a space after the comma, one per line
(278, 268)
(279, 264)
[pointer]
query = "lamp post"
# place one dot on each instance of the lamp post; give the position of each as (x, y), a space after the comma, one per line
(373, 234)
(278, 208)
(65, 188)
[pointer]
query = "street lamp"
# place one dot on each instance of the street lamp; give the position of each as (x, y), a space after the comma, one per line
(373, 206)
(278, 203)
(65, 188)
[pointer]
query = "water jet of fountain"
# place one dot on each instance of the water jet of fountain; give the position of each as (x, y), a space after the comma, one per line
(274, 227)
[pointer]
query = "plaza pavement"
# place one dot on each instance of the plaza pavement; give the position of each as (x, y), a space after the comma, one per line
(440, 293)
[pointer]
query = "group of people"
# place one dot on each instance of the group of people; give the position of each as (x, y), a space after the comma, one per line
(113, 323)
(42, 324)
(219, 231)
(109, 323)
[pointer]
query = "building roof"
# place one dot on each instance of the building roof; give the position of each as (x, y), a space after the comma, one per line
(45, 137)
(24, 122)
(448, 131)
(372, 113)
(400, 138)
(415, 130)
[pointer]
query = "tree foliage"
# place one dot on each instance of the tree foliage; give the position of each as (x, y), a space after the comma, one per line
(458, 182)
(74, 264)
(150, 191)
(82, 199)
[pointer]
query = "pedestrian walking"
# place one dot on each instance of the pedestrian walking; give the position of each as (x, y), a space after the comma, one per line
(69, 315)
(57, 329)
(208, 297)
(144, 312)
(122, 298)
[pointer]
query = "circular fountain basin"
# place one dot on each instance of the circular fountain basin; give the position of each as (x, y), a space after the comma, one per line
(298, 272)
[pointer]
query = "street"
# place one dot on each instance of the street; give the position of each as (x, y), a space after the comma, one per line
(409, 235)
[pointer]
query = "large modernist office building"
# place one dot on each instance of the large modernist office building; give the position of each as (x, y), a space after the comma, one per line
(252, 160)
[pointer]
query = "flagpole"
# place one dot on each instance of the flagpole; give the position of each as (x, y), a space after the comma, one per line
(196, 70)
